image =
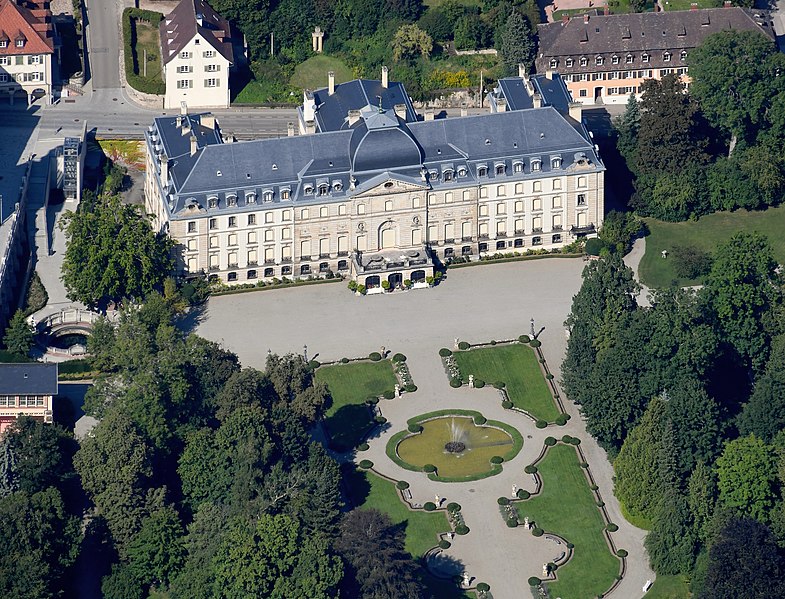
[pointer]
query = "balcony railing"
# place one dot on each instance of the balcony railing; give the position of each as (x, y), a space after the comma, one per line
(519, 232)
(450, 240)
(483, 236)
(324, 256)
(466, 239)
(341, 254)
(501, 234)
(305, 258)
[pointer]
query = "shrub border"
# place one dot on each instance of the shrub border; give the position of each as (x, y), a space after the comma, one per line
(133, 79)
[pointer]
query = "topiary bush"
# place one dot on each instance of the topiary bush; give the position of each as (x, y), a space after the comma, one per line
(524, 339)
(389, 394)
(611, 527)
(594, 487)
(444, 544)
(480, 420)
(523, 494)
(497, 459)
(567, 439)
(499, 385)
(399, 358)
(550, 441)
(402, 485)
(600, 504)
(461, 529)
(429, 468)
(621, 553)
(366, 464)
(575, 441)
(410, 388)
(570, 546)
(506, 404)
(479, 383)
(503, 501)
(537, 531)
(362, 447)
(381, 420)
(429, 506)
(464, 345)
(415, 428)
(562, 419)
(444, 352)
(493, 341)
(483, 587)
(453, 507)
(375, 356)
(549, 376)
(344, 360)
(535, 343)
(541, 423)
(530, 469)
(314, 364)
(584, 465)
(455, 383)
(372, 400)
(534, 581)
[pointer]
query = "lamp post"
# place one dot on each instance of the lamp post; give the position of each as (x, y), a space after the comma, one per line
(305, 353)
(532, 328)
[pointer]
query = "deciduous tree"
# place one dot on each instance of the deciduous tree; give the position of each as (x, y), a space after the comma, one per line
(747, 477)
(19, 336)
(411, 41)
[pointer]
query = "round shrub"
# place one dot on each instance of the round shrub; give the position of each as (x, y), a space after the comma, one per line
(524, 339)
(611, 527)
(429, 506)
(375, 356)
(402, 485)
(461, 529)
(497, 459)
(479, 383)
(552, 567)
(535, 343)
(389, 394)
(444, 352)
(600, 504)
(561, 419)
(541, 423)
(534, 581)
(499, 385)
(483, 587)
(549, 376)
(621, 553)
(503, 501)
(464, 345)
(537, 531)
(493, 341)
(542, 360)
(550, 441)
(570, 546)
(594, 487)
(523, 494)
(584, 465)
(381, 420)
(453, 507)
(507, 404)
(444, 544)
(372, 400)
(399, 358)
(455, 383)
(480, 420)
(410, 388)
(366, 464)
(429, 468)
(362, 447)
(314, 364)
(344, 360)
(512, 522)
(567, 439)
(575, 441)
(415, 428)
(530, 469)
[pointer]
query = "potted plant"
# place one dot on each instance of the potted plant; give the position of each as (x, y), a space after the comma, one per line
(407, 284)
(386, 285)
(429, 280)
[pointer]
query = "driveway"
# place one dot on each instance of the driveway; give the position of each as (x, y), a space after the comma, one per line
(473, 304)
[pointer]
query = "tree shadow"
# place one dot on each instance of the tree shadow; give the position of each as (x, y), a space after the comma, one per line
(189, 321)
(348, 426)
(355, 485)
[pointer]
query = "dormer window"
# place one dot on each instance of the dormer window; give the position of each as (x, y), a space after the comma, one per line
(482, 171)
(448, 175)
(683, 55)
(556, 162)
(584, 61)
(568, 62)
(517, 167)
(231, 201)
(285, 194)
(645, 58)
(500, 168)
(3, 43)
(536, 164)
(308, 189)
(615, 59)
(212, 202)
(628, 59)
(20, 42)
(250, 198)
(323, 189)
(554, 63)
(267, 195)
(599, 60)
(337, 186)
(462, 172)
(433, 175)
(666, 57)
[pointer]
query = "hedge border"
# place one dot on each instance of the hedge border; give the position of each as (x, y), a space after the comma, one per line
(133, 78)
(231, 291)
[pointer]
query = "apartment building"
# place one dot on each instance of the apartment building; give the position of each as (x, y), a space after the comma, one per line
(27, 390)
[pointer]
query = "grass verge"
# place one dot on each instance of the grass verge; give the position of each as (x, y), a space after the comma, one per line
(140, 33)
(515, 365)
(349, 418)
(669, 587)
(312, 73)
(566, 507)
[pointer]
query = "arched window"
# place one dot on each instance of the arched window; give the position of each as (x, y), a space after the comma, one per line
(500, 168)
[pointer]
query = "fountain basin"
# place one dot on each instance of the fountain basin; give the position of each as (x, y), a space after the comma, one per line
(456, 446)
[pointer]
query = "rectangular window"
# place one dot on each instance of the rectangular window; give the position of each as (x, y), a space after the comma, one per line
(582, 93)
(269, 235)
(305, 248)
(501, 227)
(268, 217)
(286, 233)
(343, 244)
(467, 195)
(183, 84)
(304, 214)
(5, 60)
(557, 221)
(208, 54)
(557, 202)
(557, 183)
(581, 182)
(448, 197)
(232, 259)
(416, 237)
(185, 55)
(433, 233)
(213, 223)
(324, 246)
(519, 206)
(19, 60)
(537, 186)
(192, 245)
(483, 192)
(286, 215)
(185, 69)
(211, 82)
(214, 261)
(341, 209)
(232, 238)
(501, 208)
(252, 237)
(251, 219)
(269, 255)
(232, 221)
(20, 43)
(286, 252)
(449, 231)
(213, 241)
(323, 212)
(192, 226)
(415, 202)
(519, 226)
(537, 224)
(484, 210)
(581, 199)
(212, 68)
(35, 59)
(519, 188)
(193, 265)
(252, 257)
(361, 243)
(537, 204)
(501, 190)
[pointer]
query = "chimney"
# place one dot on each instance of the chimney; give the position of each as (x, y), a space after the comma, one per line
(549, 74)
(521, 70)
(385, 80)
(194, 145)
(400, 111)
(586, 18)
(727, 4)
(208, 120)
(576, 111)
(331, 82)
(537, 100)
(501, 105)
(290, 129)
(429, 114)
(164, 171)
(183, 108)
(464, 109)
(606, 11)
(354, 116)
(694, 6)
(565, 18)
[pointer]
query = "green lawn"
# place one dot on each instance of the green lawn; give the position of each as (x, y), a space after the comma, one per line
(515, 365)
(348, 419)
(312, 74)
(686, 4)
(669, 587)
(705, 233)
(566, 507)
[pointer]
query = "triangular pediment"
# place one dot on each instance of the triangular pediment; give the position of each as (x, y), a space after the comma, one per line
(388, 183)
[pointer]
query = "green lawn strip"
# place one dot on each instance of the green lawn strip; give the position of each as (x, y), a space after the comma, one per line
(669, 587)
(348, 418)
(706, 233)
(566, 507)
(669, 5)
(422, 528)
(140, 33)
(517, 444)
(515, 365)
(312, 73)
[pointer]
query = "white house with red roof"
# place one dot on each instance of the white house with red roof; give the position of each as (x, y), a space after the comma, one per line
(27, 45)
(197, 55)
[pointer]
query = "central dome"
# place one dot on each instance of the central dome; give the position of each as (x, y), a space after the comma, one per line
(382, 142)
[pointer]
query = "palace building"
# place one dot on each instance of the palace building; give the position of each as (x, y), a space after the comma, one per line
(375, 193)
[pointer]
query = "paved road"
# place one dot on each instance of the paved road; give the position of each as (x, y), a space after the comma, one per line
(476, 304)
(103, 40)
(778, 16)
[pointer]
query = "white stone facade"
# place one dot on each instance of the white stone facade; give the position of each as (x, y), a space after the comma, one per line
(198, 75)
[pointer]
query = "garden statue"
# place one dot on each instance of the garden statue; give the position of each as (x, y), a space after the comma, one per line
(466, 579)
(526, 522)
(397, 390)
(471, 381)
(438, 500)
(664, 253)
(545, 570)
(514, 490)
(383, 351)
(456, 342)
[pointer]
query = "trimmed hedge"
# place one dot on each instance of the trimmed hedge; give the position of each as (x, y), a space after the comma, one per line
(621, 553)
(461, 529)
(497, 459)
(499, 385)
(380, 420)
(372, 400)
(537, 531)
(524, 339)
(402, 485)
(314, 364)
(523, 494)
(562, 419)
(550, 441)
(480, 420)
(507, 404)
(534, 581)
(429, 506)
(429, 468)
(410, 388)
(530, 469)
(503, 501)
(611, 527)
(444, 352)
(415, 428)
(455, 383)
(399, 358)
(479, 383)
(374, 356)
(362, 447)
(344, 360)
(483, 587)
(464, 345)
(389, 394)
(535, 343)
(444, 544)
(366, 464)
(453, 507)
(541, 423)
(512, 522)
(135, 80)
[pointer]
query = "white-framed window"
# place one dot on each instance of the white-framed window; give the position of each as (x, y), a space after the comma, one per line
(582, 93)
(269, 217)
(3, 43)
(614, 59)
(581, 182)
(483, 209)
(584, 61)
(628, 59)
(448, 197)
(5, 60)
(251, 219)
(554, 63)
(519, 188)
(501, 190)
(213, 242)
(536, 164)
(212, 202)
(208, 54)
(683, 55)
(183, 84)
(519, 206)
(269, 235)
(20, 43)
(645, 58)
(666, 57)
(252, 237)
(360, 208)
(232, 238)
(599, 60)
(388, 205)
(323, 212)
(556, 163)
(34, 59)
(232, 221)
(185, 68)
(557, 202)
(192, 226)
(231, 200)
(212, 68)
(212, 82)
(537, 204)
(285, 194)
(482, 171)
(569, 62)
(501, 208)
(185, 55)
(483, 192)
(341, 209)
(517, 167)
(304, 214)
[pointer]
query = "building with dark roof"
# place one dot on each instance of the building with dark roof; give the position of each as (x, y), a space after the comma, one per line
(605, 58)
(379, 197)
(27, 45)
(197, 52)
(27, 390)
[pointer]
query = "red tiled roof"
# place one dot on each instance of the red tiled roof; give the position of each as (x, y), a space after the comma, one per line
(29, 21)
(180, 26)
